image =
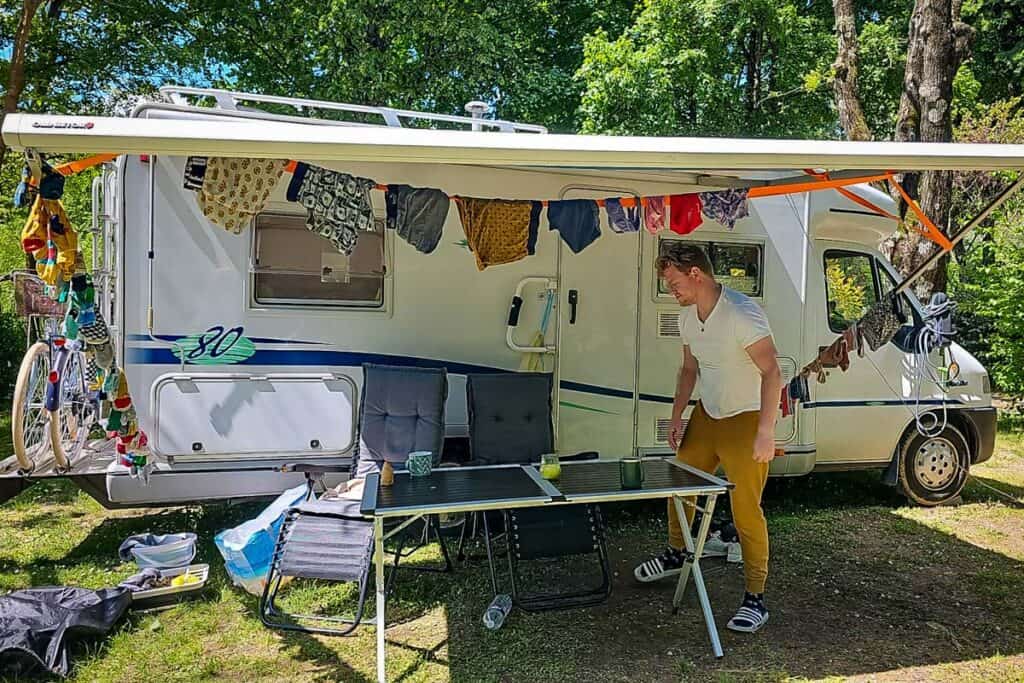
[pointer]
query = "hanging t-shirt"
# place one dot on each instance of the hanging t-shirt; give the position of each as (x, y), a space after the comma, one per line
(728, 381)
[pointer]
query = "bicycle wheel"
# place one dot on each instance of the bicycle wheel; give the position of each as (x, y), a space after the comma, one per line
(70, 423)
(29, 417)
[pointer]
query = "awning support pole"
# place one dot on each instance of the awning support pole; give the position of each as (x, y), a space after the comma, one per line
(956, 239)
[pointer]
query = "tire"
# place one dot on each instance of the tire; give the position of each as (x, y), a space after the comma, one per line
(29, 417)
(933, 470)
(70, 423)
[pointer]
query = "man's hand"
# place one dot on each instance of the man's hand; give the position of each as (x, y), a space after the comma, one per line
(675, 432)
(764, 447)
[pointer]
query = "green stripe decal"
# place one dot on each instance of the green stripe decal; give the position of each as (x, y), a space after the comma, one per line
(569, 404)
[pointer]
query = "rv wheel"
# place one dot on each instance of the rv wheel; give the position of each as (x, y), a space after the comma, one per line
(933, 469)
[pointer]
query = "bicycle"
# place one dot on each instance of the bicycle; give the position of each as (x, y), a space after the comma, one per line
(53, 411)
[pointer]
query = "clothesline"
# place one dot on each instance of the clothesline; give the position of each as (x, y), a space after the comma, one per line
(822, 181)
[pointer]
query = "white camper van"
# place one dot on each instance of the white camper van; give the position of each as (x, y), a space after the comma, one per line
(244, 352)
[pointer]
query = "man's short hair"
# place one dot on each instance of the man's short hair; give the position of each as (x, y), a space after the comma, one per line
(683, 256)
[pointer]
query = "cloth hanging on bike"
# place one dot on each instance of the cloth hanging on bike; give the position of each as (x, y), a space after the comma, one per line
(52, 241)
(37, 624)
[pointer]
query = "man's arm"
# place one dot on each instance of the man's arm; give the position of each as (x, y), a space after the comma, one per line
(685, 382)
(765, 357)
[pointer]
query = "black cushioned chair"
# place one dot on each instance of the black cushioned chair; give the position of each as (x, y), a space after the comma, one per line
(401, 410)
(510, 423)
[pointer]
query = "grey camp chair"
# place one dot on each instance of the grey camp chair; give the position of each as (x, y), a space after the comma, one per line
(510, 422)
(401, 410)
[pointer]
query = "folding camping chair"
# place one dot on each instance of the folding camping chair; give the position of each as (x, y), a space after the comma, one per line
(401, 410)
(510, 422)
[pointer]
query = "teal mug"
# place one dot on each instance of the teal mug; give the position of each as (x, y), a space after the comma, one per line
(631, 472)
(420, 463)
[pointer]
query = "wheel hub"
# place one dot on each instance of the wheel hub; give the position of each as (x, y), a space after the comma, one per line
(935, 464)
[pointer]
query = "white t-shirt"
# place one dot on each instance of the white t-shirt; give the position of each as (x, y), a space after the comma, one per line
(728, 381)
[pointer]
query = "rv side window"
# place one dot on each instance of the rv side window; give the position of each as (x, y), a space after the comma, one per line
(888, 284)
(736, 265)
(292, 265)
(851, 287)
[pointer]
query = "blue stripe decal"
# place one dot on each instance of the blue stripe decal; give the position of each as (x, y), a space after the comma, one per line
(155, 356)
(144, 356)
(257, 340)
(880, 402)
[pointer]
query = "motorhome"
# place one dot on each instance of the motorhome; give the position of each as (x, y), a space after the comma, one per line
(244, 351)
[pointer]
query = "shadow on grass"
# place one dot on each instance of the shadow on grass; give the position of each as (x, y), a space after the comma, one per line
(855, 589)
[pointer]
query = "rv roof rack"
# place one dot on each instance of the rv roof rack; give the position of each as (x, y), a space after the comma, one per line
(241, 103)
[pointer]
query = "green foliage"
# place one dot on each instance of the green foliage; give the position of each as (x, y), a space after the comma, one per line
(846, 290)
(714, 67)
(987, 276)
(432, 55)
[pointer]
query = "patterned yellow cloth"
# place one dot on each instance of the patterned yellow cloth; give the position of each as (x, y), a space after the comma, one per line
(235, 190)
(499, 230)
(51, 240)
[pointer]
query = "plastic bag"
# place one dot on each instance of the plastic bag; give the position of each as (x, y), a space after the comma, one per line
(248, 548)
(163, 551)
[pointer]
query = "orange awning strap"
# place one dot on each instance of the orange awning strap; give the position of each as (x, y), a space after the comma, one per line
(73, 167)
(853, 197)
(930, 230)
(812, 186)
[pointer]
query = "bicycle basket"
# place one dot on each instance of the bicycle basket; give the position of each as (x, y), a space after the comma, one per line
(30, 297)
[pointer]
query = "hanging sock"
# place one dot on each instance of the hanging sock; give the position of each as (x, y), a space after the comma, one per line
(338, 205)
(654, 214)
(235, 190)
(725, 206)
(576, 220)
(417, 215)
(685, 213)
(622, 218)
(499, 231)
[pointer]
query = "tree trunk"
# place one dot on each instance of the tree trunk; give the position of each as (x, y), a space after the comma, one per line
(851, 114)
(16, 76)
(938, 42)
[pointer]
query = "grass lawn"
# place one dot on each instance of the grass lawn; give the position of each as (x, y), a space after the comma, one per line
(863, 587)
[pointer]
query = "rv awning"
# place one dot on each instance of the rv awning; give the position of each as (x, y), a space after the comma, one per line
(97, 134)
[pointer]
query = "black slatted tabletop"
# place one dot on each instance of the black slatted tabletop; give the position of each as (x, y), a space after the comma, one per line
(457, 487)
(600, 479)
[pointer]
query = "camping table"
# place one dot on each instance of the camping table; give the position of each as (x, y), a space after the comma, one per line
(499, 487)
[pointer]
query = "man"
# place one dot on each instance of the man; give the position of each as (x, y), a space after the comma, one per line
(729, 352)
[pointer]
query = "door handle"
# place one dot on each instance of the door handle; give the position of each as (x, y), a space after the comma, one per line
(574, 298)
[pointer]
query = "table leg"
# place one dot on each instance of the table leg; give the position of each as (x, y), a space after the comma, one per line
(378, 555)
(490, 558)
(697, 549)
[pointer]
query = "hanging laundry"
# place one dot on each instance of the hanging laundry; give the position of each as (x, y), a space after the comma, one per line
(417, 215)
(798, 389)
(684, 213)
(195, 173)
(235, 190)
(338, 204)
(51, 240)
(622, 218)
(835, 355)
(577, 220)
(785, 403)
(880, 323)
(654, 214)
(725, 206)
(499, 230)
